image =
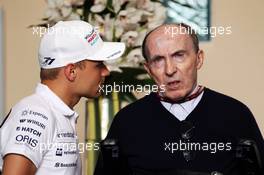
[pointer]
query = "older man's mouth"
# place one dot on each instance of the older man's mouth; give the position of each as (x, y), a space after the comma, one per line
(172, 85)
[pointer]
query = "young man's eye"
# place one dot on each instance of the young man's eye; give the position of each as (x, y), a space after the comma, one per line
(100, 65)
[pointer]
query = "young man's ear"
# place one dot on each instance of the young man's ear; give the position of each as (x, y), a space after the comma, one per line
(70, 72)
(200, 59)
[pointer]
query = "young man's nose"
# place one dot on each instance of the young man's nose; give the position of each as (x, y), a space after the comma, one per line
(105, 72)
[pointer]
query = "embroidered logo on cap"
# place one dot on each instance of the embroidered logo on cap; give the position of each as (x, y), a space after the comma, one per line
(48, 60)
(92, 38)
(114, 54)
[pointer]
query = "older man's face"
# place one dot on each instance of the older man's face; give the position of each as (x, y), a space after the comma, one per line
(173, 63)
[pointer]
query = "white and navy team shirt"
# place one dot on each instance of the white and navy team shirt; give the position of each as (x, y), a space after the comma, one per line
(41, 127)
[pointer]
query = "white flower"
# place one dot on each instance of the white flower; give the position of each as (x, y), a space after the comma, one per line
(141, 35)
(114, 65)
(158, 17)
(117, 4)
(135, 57)
(128, 19)
(99, 6)
(61, 10)
(119, 30)
(133, 15)
(145, 5)
(105, 25)
(129, 38)
(52, 14)
(99, 19)
(66, 11)
(73, 16)
(108, 28)
(77, 2)
(55, 3)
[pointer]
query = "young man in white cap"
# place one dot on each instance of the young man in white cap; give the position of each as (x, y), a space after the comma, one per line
(39, 136)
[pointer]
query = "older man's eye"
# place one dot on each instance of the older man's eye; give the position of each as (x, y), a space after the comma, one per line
(179, 57)
(158, 62)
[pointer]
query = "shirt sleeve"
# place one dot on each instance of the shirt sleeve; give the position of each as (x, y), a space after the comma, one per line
(27, 132)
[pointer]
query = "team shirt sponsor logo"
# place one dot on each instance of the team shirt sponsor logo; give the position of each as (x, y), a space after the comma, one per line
(66, 135)
(34, 122)
(60, 152)
(69, 152)
(22, 120)
(25, 139)
(28, 134)
(30, 130)
(59, 164)
(27, 112)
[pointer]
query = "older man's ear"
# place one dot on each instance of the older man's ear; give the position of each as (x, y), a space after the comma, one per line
(146, 66)
(200, 59)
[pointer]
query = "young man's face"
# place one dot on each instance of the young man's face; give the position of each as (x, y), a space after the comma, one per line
(91, 77)
(173, 63)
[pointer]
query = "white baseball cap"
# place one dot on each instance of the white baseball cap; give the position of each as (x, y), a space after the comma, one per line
(73, 41)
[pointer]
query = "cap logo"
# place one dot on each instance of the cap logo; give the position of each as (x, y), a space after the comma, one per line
(92, 37)
(48, 61)
(114, 54)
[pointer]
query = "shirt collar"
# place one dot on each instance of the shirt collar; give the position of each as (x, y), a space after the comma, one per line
(186, 104)
(55, 101)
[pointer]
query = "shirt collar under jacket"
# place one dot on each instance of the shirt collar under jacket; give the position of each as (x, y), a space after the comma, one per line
(56, 102)
(182, 110)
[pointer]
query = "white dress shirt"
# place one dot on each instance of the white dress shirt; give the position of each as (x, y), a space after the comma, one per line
(182, 110)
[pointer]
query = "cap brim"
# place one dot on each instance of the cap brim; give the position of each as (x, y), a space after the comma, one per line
(109, 51)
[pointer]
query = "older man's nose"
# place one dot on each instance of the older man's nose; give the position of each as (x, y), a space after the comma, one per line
(170, 68)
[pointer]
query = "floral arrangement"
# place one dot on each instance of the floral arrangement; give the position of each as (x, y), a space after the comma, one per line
(127, 21)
